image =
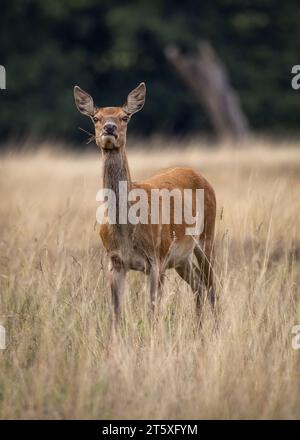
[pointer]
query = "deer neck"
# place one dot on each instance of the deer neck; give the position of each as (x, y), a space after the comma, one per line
(115, 169)
(116, 172)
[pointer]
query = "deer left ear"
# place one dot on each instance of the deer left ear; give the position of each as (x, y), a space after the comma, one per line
(135, 100)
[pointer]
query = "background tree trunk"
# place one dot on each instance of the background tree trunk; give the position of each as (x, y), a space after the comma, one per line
(206, 75)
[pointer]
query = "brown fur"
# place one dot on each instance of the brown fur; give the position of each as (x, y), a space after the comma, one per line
(148, 247)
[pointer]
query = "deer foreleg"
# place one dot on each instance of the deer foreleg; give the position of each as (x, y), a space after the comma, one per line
(117, 284)
(155, 286)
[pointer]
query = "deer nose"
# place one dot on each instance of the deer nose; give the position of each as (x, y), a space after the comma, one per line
(110, 128)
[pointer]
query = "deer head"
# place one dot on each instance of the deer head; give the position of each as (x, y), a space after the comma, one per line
(110, 122)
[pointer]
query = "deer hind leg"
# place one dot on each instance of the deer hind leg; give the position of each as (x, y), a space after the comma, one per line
(190, 273)
(205, 261)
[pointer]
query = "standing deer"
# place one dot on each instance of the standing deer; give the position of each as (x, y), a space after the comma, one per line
(150, 248)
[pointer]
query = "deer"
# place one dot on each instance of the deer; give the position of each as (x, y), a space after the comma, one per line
(149, 248)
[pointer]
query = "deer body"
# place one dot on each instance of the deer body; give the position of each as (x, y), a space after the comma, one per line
(150, 248)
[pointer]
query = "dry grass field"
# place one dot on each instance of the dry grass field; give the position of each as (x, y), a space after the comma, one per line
(62, 360)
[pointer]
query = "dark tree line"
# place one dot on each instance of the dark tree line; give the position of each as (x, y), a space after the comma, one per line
(109, 46)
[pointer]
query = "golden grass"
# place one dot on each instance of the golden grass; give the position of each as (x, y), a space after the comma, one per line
(61, 360)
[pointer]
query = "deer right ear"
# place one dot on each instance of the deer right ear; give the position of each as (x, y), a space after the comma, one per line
(84, 102)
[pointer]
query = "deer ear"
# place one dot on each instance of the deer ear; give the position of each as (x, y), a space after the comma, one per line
(84, 102)
(135, 99)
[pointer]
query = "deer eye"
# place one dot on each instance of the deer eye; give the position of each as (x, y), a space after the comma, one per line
(125, 118)
(95, 119)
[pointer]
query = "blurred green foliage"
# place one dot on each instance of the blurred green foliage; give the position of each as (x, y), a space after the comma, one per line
(109, 46)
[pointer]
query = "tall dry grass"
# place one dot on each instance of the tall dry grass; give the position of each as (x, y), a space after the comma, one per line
(61, 359)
